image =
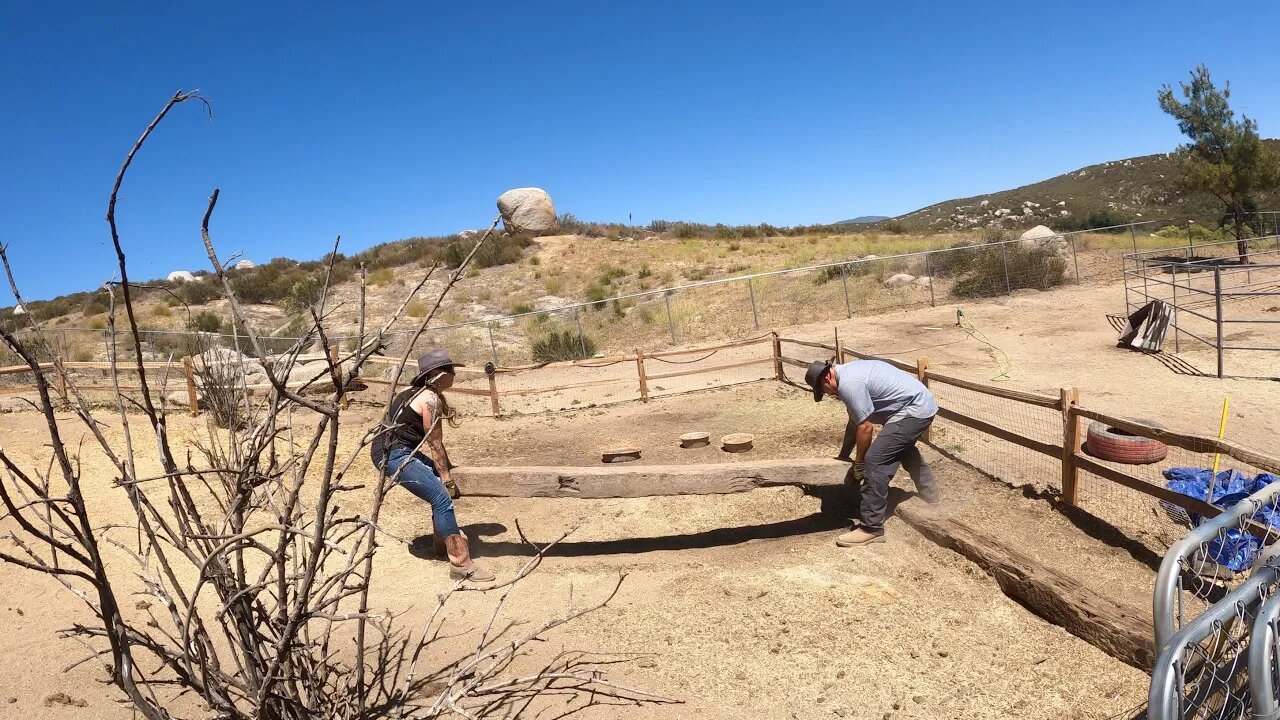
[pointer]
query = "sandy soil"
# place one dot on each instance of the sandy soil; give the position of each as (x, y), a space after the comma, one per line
(743, 602)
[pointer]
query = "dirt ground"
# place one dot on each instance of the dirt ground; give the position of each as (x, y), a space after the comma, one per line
(743, 605)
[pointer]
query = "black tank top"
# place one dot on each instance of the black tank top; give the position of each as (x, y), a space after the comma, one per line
(402, 427)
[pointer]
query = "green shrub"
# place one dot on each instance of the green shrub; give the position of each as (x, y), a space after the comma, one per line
(520, 308)
(382, 276)
(596, 295)
(611, 274)
(95, 305)
(952, 263)
(562, 345)
(1028, 267)
(161, 311)
(1096, 219)
(697, 273)
(643, 272)
(501, 250)
(304, 294)
(198, 292)
(685, 231)
(97, 323)
(205, 321)
(893, 227)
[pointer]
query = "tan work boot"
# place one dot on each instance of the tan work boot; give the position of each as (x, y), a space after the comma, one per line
(460, 565)
(859, 536)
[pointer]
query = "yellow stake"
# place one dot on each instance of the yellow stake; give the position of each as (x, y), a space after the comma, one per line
(1222, 431)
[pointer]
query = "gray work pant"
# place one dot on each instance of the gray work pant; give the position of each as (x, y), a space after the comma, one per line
(894, 445)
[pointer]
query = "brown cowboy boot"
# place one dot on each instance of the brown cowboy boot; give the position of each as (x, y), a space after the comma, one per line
(460, 565)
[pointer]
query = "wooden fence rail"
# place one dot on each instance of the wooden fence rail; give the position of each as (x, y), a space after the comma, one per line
(1066, 403)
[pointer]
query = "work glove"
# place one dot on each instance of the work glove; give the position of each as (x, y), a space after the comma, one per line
(853, 477)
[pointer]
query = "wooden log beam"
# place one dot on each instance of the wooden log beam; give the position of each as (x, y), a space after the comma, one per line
(628, 481)
(1119, 630)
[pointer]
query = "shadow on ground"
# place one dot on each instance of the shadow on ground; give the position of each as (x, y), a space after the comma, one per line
(836, 509)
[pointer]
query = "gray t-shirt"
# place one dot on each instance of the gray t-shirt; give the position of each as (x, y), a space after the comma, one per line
(877, 391)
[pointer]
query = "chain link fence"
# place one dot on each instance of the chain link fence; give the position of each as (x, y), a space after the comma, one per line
(718, 309)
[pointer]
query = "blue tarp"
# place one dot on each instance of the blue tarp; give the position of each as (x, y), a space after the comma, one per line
(1235, 548)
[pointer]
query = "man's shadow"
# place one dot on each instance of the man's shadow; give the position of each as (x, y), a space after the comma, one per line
(837, 508)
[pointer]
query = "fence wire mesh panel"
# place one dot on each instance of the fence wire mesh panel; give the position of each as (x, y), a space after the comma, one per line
(703, 310)
(1209, 596)
(1140, 515)
(1010, 462)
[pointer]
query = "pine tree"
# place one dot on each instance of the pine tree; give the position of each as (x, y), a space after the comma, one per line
(1225, 157)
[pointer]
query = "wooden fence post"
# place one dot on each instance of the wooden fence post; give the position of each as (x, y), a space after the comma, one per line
(644, 382)
(62, 378)
(493, 394)
(333, 358)
(777, 357)
(922, 373)
(839, 350)
(1070, 399)
(193, 398)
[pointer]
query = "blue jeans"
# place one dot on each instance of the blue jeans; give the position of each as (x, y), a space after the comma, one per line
(418, 476)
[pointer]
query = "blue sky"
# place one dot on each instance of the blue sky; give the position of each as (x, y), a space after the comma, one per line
(380, 121)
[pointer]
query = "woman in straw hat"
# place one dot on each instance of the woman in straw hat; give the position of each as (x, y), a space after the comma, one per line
(409, 448)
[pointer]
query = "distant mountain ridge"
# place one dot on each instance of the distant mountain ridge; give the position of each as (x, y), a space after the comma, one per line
(862, 220)
(1135, 188)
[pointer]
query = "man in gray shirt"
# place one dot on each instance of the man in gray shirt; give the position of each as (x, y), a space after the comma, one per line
(877, 393)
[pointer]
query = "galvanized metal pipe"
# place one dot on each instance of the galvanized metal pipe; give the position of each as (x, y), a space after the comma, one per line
(1004, 257)
(844, 283)
(928, 271)
(1217, 302)
(671, 323)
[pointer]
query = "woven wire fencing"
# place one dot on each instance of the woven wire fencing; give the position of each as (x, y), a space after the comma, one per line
(991, 454)
(697, 312)
(1137, 510)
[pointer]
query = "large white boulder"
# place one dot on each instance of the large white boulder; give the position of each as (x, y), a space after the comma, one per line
(1043, 236)
(181, 276)
(19, 310)
(899, 280)
(527, 210)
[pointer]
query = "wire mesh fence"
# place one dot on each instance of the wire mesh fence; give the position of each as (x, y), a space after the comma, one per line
(1214, 613)
(711, 310)
(992, 455)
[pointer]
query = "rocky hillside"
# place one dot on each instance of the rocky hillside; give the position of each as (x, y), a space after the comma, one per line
(1118, 191)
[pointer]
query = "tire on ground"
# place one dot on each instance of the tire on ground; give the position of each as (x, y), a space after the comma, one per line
(1108, 443)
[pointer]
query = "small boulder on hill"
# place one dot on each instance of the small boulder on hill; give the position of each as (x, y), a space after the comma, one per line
(527, 210)
(899, 280)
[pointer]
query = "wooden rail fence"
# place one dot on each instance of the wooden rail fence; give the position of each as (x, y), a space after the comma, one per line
(1066, 403)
